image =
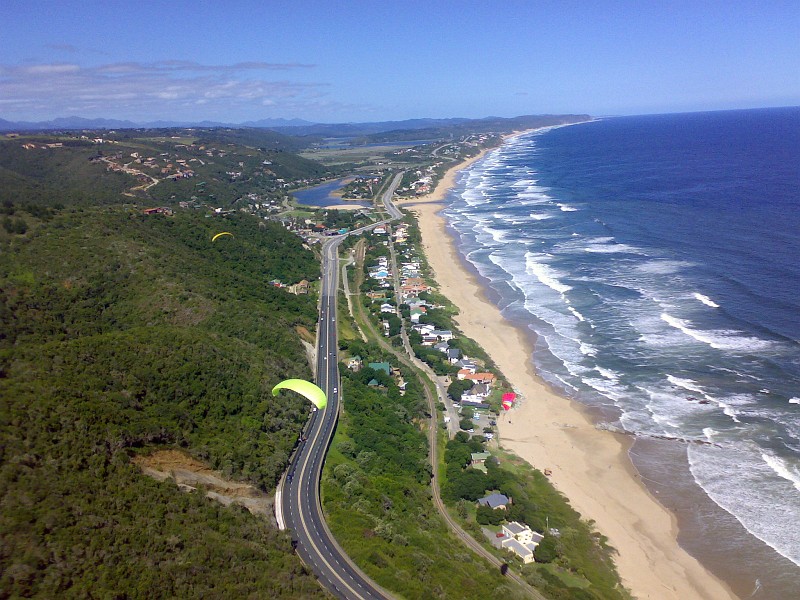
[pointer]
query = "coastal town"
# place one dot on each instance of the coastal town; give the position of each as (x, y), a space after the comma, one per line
(409, 314)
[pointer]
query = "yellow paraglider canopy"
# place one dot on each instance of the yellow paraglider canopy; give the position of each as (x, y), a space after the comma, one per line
(304, 388)
(214, 239)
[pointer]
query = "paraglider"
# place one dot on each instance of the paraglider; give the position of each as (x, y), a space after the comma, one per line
(214, 239)
(508, 400)
(304, 388)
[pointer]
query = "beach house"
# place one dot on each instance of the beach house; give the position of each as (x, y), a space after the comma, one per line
(478, 459)
(495, 501)
(520, 539)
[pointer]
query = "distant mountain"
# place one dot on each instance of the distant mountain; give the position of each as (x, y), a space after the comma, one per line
(82, 123)
(66, 123)
(363, 129)
(273, 123)
(424, 128)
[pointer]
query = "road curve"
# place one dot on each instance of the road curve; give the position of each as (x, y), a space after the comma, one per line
(300, 509)
(298, 498)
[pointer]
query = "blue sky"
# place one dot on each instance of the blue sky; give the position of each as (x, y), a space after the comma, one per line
(371, 61)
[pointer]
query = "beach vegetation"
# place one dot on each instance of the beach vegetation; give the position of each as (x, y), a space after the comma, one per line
(570, 544)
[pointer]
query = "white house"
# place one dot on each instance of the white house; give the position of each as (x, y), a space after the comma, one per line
(521, 540)
(476, 394)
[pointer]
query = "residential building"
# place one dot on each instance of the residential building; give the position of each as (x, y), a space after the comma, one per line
(381, 366)
(477, 460)
(521, 540)
(495, 501)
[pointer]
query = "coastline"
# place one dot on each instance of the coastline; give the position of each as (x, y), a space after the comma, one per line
(548, 430)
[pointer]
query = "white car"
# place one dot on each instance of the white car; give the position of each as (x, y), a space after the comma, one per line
(335, 390)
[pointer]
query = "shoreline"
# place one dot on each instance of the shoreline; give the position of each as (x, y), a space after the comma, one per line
(590, 467)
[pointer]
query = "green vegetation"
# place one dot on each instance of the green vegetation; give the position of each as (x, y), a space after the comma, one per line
(571, 554)
(216, 167)
(377, 499)
(121, 333)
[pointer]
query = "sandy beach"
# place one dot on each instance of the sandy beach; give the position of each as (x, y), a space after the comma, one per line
(590, 466)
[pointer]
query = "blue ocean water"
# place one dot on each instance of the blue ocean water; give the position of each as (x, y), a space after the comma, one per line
(657, 258)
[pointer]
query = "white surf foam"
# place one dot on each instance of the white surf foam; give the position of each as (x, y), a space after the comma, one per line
(705, 300)
(783, 469)
(719, 339)
(771, 517)
(607, 373)
(686, 384)
(578, 315)
(545, 274)
(567, 208)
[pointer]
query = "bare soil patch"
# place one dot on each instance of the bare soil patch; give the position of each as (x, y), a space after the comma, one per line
(190, 474)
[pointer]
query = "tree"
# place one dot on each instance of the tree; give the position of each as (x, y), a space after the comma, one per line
(466, 424)
(486, 515)
(458, 387)
(547, 550)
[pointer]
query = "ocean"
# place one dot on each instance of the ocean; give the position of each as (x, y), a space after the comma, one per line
(656, 260)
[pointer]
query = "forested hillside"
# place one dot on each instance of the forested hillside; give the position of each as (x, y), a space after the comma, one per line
(121, 333)
(216, 167)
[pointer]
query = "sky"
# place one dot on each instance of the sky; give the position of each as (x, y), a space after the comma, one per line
(359, 61)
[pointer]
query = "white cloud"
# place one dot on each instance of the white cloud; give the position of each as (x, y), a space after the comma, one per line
(144, 91)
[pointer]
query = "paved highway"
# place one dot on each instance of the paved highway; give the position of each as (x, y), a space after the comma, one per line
(300, 508)
(298, 505)
(297, 501)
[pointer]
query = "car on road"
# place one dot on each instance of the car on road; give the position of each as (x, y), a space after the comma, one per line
(335, 390)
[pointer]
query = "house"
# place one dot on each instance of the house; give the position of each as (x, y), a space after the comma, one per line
(408, 289)
(477, 460)
(429, 339)
(354, 364)
(300, 288)
(161, 210)
(453, 354)
(495, 501)
(487, 378)
(467, 366)
(387, 308)
(441, 347)
(521, 540)
(476, 394)
(381, 366)
(416, 313)
(444, 335)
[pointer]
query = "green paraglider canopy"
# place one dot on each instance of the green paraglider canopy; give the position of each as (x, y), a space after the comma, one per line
(304, 388)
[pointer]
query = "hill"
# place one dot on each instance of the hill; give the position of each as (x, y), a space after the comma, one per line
(120, 334)
(166, 166)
